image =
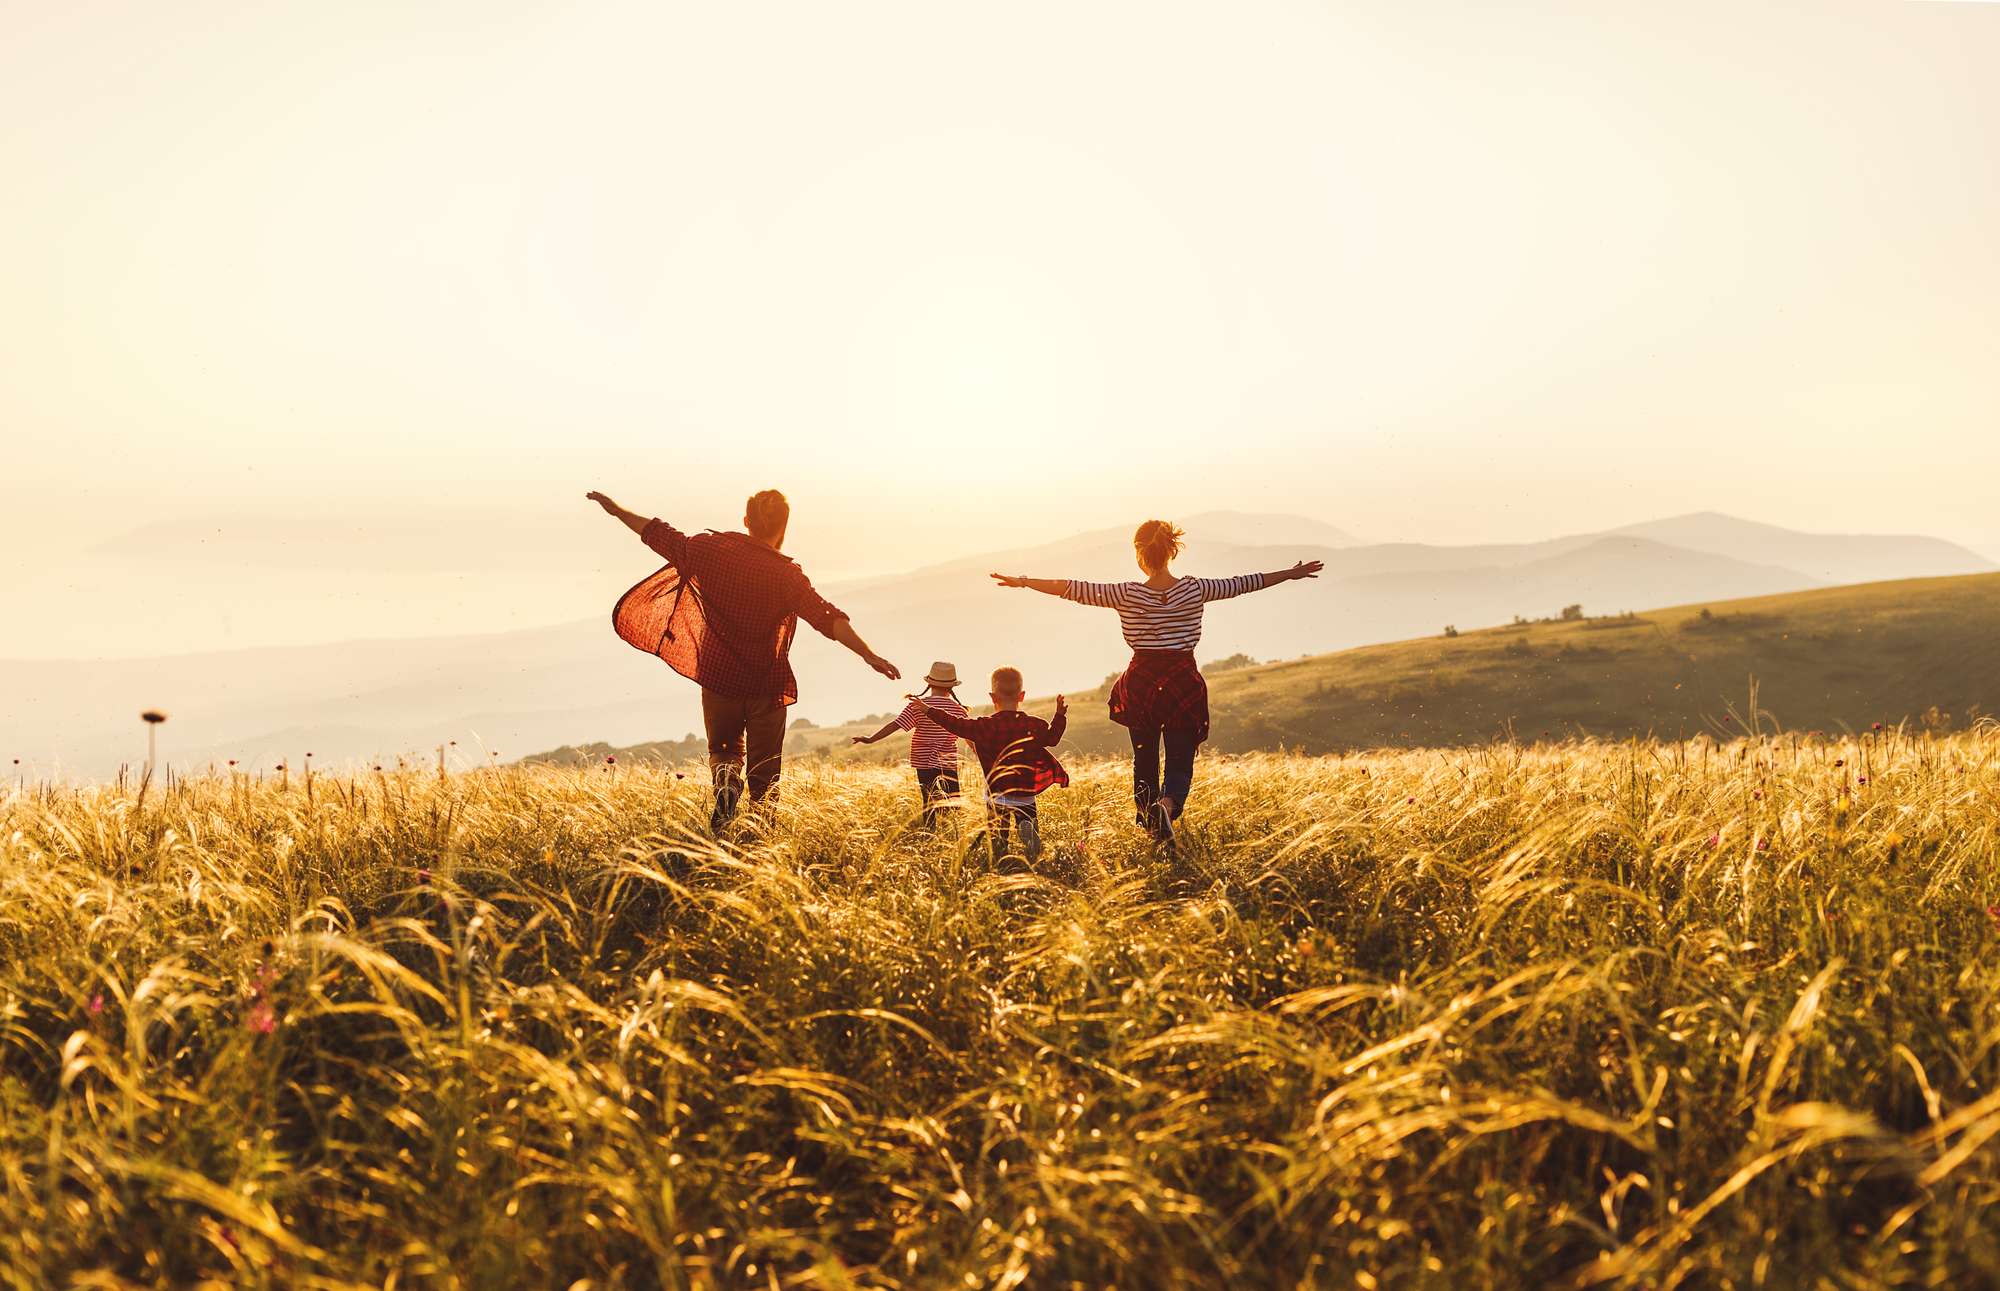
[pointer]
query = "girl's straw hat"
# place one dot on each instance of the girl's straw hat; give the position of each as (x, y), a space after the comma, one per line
(942, 674)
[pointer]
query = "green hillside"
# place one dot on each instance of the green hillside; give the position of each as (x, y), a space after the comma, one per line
(1829, 659)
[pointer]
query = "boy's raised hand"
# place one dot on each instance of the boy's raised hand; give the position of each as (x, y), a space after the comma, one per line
(1062, 705)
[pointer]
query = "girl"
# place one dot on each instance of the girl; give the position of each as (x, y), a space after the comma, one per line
(1161, 698)
(933, 750)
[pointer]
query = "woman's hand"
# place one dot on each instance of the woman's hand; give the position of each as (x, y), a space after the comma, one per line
(610, 508)
(863, 739)
(1011, 580)
(1306, 569)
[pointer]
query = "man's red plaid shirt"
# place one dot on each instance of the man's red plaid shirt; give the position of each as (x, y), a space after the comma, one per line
(723, 611)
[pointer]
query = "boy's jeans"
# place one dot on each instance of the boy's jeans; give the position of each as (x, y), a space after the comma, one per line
(1004, 814)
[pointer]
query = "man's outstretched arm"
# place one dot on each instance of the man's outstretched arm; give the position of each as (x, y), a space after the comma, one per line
(630, 519)
(843, 632)
(665, 539)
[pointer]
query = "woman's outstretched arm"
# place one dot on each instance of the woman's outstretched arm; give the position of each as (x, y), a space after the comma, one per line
(1221, 589)
(1304, 569)
(1046, 586)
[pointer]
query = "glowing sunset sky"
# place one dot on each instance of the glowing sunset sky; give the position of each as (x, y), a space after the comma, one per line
(1446, 272)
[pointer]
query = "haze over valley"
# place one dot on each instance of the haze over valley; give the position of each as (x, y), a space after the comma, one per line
(511, 693)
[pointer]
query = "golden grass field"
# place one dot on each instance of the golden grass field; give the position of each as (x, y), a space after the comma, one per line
(1579, 1014)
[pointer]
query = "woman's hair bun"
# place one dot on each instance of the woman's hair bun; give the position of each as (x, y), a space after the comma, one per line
(1157, 542)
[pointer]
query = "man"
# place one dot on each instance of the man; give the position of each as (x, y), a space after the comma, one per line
(722, 614)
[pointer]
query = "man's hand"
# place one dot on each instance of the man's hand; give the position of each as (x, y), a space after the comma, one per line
(1011, 580)
(863, 739)
(883, 666)
(630, 519)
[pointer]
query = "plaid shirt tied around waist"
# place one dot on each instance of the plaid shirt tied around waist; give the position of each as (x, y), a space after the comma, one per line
(1161, 690)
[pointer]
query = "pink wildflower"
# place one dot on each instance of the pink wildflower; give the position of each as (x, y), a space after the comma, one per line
(262, 1019)
(97, 1004)
(1715, 840)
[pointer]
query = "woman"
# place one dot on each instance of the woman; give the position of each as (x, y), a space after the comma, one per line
(1161, 697)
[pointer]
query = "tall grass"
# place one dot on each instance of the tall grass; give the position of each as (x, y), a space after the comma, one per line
(1633, 1015)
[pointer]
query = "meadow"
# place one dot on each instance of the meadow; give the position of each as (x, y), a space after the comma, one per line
(1702, 1014)
(1832, 659)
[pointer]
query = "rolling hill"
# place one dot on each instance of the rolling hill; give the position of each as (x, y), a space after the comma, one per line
(1828, 659)
(548, 686)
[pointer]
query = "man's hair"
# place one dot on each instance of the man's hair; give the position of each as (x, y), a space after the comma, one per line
(766, 514)
(1007, 681)
(1157, 542)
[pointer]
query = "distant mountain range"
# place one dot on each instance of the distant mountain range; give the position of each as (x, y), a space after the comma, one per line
(516, 692)
(1831, 659)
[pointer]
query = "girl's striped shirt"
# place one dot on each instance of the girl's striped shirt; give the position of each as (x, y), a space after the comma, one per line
(1161, 619)
(931, 746)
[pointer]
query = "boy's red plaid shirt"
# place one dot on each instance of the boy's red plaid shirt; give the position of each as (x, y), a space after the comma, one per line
(1012, 748)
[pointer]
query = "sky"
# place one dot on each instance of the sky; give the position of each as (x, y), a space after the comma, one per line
(320, 319)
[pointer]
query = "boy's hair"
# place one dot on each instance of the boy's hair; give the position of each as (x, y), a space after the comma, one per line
(1157, 542)
(766, 514)
(1007, 681)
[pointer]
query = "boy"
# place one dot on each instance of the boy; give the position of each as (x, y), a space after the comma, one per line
(1013, 750)
(933, 750)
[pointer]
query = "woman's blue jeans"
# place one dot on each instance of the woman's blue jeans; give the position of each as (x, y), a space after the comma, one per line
(1147, 786)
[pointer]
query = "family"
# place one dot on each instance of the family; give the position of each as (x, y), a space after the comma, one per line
(723, 610)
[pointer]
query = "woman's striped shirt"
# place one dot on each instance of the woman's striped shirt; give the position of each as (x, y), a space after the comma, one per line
(1161, 619)
(932, 747)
